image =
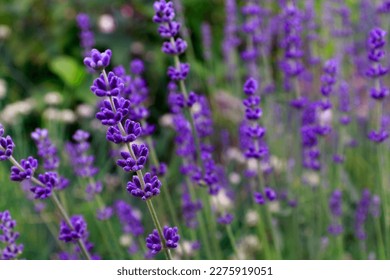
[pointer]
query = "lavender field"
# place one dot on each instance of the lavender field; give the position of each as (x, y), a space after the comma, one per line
(194, 129)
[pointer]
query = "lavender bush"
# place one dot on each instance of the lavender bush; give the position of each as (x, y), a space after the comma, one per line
(262, 134)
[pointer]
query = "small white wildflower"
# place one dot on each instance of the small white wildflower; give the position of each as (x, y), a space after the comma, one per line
(67, 116)
(125, 240)
(274, 207)
(221, 201)
(53, 98)
(325, 117)
(166, 120)
(234, 178)
(106, 23)
(196, 108)
(85, 110)
(253, 164)
(13, 111)
(252, 218)
(312, 178)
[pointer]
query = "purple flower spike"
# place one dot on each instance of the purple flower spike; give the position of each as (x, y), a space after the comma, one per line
(8, 236)
(329, 78)
(132, 129)
(113, 88)
(226, 219)
(137, 67)
(29, 166)
(171, 236)
(131, 222)
(270, 193)
(171, 29)
(177, 47)
(98, 60)
(128, 164)
(6, 147)
(49, 180)
(109, 116)
(83, 21)
(361, 214)
(259, 198)
(153, 241)
(378, 136)
(335, 203)
(151, 188)
(177, 75)
(78, 230)
(250, 86)
(164, 11)
(46, 149)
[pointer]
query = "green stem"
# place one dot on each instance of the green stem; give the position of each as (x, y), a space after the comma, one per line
(202, 226)
(232, 239)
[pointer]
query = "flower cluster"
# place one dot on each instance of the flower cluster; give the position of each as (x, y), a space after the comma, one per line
(154, 243)
(376, 43)
(292, 65)
(368, 204)
(311, 129)
(269, 194)
(335, 206)
(87, 40)
(6, 145)
(83, 163)
(190, 209)
(251, 28)
(48, 152)
(78, 230)
(8, 236)
(129, 218)
(231, 39)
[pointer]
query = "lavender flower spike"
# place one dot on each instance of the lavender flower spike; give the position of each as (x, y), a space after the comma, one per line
(376, 53)
(6, 145)
(78, 231)
(97, 60)
(8, 236)
(171, 236)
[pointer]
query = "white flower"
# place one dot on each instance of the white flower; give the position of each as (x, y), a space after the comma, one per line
(126, 240)
(65, 116)
(221, 201)
(53, 98)
(85, 110)
(11, 112)
(312, 178)
(234, 178)
(252, 218)
(106, 23)
(253, 164)
(166, 120)
(325, 117)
